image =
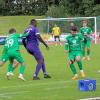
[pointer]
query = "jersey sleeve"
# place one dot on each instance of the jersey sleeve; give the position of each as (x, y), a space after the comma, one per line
(36, 31)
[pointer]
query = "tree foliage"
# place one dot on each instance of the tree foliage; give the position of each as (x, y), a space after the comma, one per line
(53, 8)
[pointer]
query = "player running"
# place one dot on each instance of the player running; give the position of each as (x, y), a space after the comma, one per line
(73, 48)
(31, 43)
(86, 33)
(56, 33)
(11, 52)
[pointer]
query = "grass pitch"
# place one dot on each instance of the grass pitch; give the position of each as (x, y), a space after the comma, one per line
(59, 87)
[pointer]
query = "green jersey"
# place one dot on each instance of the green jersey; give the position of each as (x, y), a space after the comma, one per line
(74, 42)
(12, 43)
(85, 31)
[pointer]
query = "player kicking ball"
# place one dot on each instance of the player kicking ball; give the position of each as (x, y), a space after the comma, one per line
(73, 48)
(11, 52)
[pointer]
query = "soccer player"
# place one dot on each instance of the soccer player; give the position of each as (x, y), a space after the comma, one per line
(31, 43)
(86, 33)
(11, 52)
(73, 48)
(56, 33)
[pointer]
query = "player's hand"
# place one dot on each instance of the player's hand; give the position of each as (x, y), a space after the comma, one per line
(47, 47)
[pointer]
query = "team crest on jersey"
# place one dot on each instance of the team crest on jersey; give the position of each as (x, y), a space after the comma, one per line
(74, 41)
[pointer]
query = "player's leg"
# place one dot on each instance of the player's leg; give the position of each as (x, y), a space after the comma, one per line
(59, 40)
(44, 70)
(15, 63)
(40, 64)
(88, 49)
(72, 67)
(3, 59)
(83, 50)
(79, 62)
(19, 58)
(10, 69)
(55, 38)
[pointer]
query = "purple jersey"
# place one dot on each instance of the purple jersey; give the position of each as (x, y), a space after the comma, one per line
(32, 37)
(32, 42)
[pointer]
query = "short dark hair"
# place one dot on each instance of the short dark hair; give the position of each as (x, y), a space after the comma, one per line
(73, 28)
(12, 30)
(32, 21)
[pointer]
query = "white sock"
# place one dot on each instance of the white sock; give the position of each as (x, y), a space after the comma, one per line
(81, 71)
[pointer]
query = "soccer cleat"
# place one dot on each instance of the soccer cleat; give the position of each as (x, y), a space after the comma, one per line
(21, 77)
(83, 74)
(84, 58)
(36, 78)
(9, 75)
(75, 78)
(47, 76)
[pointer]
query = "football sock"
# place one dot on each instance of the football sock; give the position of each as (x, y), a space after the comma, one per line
(43, 68)
(88, 52)
(10, 68)
(79, 64)
(22, 69)
(83, 52)
(38, 67)
(73, 69)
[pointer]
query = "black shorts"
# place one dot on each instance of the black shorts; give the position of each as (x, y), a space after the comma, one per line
(57, 37)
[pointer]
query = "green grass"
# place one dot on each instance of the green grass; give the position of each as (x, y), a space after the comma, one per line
(18, 22)
(59, 87)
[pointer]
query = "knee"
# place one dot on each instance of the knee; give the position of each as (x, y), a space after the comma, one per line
(70, 62)
(1, 63)
(78, 58)
(40, 61)
(88, 48)
(22, 64)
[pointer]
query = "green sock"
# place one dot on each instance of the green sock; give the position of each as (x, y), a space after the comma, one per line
(73, 69)
(83, 52)
(88, 52)
(22, 68)
(10, 68)
(79, 64)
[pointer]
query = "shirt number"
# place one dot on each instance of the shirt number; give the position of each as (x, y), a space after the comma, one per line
(10, 42)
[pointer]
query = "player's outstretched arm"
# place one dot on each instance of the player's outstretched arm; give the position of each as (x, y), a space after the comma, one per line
(41, 40)
(24, 42)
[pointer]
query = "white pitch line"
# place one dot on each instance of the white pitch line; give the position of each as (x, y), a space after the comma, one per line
(56, 88)
(38, 84)
(4, 95)
(95, 98)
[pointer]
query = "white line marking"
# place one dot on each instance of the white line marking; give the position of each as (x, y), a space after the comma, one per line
(95, 98)
(56, 88)
(4, 95)
(37, 84)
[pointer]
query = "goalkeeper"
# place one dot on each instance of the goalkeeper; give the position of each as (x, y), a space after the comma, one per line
(73, 48)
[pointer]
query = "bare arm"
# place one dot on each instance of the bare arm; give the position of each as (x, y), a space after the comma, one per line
(42, 41)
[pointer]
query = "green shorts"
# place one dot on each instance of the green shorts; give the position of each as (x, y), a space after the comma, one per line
(11, 55)
(4, 56)
(73, 54)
